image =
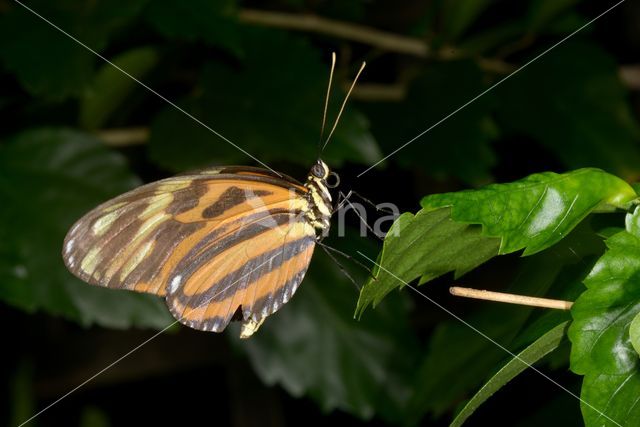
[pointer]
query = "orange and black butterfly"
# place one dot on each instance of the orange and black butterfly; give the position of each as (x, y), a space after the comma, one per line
(222, 243)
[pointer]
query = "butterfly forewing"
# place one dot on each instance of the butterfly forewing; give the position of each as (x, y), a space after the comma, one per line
(211, 242)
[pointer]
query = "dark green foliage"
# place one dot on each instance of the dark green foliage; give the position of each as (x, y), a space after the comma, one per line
(48, 179)
(540, 348)
(360, 367)
(282, 80)
(262, 86)
(581, 82)
(110, 88)
(34, 55)
(210, 21)
(532, 214)
(459, 148)
(456, 347)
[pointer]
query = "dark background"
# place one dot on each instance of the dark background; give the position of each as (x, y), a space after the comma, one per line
(76, 132)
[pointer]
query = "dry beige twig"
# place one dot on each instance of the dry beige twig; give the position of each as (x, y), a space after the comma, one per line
(510, 298)
(122, 137)
(344, 30)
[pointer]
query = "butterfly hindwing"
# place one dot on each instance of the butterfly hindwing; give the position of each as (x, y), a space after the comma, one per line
(194, 236)
(257, 269)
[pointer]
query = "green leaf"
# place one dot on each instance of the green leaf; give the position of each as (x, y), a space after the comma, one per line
(212, 21)
(603, 313)
(270, 105)
(426, 245)
(577, 113)
(602, 347)
(458, 147)
(634, 333)
(110, 87)
(314, 347)
(29, 45)
(48, 179)
(455, 347)
(532, 214)
(615, 396)
(530, 355)
(537, 211)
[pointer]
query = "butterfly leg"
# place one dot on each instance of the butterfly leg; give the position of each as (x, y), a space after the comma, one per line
(329, 249)
(340, 204)
(340, 266)
(364, 222)
(369, 202)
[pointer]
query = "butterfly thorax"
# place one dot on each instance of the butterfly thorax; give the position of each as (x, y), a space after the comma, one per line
(320, 207)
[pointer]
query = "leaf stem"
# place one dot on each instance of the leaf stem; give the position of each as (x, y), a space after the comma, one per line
(344, 30)
(122, 137)
(510, 298)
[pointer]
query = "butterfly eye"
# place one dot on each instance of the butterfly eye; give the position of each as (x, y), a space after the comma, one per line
(317, 170)
(333, 180)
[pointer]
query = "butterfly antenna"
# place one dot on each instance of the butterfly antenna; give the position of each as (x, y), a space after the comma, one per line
(326, 99)
(335, 124)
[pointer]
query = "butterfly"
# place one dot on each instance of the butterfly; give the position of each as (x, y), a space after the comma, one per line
(219, 244)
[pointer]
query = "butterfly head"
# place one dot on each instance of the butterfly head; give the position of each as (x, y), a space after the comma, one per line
(320, 170)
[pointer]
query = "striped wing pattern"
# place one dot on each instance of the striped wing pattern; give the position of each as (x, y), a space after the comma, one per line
(213, 243)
